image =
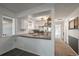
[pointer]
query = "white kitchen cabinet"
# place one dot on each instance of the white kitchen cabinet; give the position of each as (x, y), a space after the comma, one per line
(40, 47)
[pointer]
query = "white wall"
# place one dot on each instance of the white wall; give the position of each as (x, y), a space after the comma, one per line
(66, 31)
(6, 44)
(74, 33)
(18, 25)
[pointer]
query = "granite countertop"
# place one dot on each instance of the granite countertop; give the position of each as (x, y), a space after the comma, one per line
(33, 35)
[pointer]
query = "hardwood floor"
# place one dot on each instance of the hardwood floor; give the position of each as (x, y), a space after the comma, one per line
(63, 49)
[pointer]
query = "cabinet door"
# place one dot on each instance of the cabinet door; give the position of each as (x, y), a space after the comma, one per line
(73, 42)
(37, 46)
(71, 24)
(76, 23)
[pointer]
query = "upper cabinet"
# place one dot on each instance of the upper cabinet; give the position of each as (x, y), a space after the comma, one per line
(71, 24)
(74, 24)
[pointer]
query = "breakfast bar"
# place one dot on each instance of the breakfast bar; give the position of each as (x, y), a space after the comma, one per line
(36, 36)
(34, 43)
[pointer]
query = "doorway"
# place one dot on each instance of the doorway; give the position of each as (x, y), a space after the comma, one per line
(58, 31)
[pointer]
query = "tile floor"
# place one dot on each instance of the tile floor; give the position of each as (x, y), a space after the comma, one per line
(18, 52)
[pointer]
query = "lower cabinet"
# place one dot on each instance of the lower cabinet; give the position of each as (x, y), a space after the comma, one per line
(73, 42)
(40, 47)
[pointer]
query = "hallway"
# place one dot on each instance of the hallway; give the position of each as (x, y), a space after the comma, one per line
(63, 49)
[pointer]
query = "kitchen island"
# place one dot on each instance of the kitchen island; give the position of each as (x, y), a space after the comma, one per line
(36, 44)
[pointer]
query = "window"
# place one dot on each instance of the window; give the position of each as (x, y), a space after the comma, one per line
(8, 26)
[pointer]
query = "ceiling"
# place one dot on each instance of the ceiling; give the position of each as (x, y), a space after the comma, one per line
(64, 10)
(19, 7)
(43, 13)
